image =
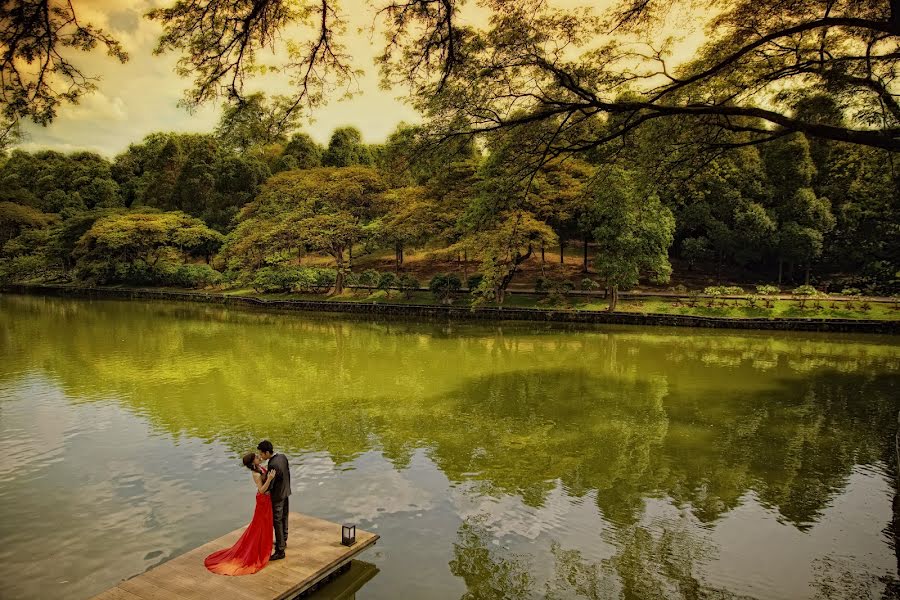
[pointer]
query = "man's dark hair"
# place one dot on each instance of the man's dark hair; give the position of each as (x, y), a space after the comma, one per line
(265, 446)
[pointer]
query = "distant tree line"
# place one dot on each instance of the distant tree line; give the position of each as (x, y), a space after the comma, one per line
(257, 193)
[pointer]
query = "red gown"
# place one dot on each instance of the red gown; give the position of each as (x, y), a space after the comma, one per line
(251, 552)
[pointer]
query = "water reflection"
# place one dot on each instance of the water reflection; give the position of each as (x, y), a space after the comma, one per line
(517, 424)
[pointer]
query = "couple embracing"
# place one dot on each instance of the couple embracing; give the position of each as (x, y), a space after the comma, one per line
(273, 487)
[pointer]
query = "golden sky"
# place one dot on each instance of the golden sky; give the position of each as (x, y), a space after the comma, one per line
(141, 96)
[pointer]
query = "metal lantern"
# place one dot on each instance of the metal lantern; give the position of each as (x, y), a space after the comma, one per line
(348, 534)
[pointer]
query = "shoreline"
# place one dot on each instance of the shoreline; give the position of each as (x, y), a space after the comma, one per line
(889, 327)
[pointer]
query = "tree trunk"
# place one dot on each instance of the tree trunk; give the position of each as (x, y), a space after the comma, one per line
(543, 261)
(806, 279)
(507, 279)
(299, 255)
(719, 268)
(613, 298)
(339, 277)
(780, 271)
(350, 258)
(584, 266)
(397, 258)
(562, 251)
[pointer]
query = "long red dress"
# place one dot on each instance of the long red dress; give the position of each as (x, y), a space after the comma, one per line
(251, 552)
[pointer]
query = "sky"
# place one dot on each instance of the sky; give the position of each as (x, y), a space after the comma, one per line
(141, 96)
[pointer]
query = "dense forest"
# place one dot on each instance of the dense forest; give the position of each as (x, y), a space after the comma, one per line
(251, 203)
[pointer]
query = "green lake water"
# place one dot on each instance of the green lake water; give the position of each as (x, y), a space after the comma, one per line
(496, 461)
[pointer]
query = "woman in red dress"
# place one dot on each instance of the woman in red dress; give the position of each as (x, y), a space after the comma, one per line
(251, 552)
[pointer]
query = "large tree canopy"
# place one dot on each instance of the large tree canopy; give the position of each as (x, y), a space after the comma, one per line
(531, 62)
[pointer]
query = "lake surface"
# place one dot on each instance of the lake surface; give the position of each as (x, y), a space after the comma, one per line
(496, 461)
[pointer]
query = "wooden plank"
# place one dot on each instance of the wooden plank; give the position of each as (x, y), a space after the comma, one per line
(314, 552)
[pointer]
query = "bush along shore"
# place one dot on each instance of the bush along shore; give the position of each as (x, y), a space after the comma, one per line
(826, 314)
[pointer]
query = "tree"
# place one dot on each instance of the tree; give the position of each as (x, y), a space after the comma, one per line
(333, 234)
(15, 218)
(633, 234)
(552, 63)
(37, 73)
(503, 244)
(306, 153)
(804, 218)
(59, 183)
(255, 120)
(346, 149)
(301, 209)
(116, 243)
(409, 216)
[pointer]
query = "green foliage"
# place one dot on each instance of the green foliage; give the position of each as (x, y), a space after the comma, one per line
(766, 292)
(15, 218)
(558, 290)
(408, 284)
(850, 291)
(369, 279)
(346, 149)
(388, 281)
(304, 151)
(126, 247)
(22, 268)
(191, 276)
(256, 121)
(281, 278)
(805, 290)
(474, 281)
(803, 293)
(444, 286)
(633, 234)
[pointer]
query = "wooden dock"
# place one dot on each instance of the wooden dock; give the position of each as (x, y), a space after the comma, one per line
(314, 553)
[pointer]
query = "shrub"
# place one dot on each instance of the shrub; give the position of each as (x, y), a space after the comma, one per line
(864, 305)
(276, 279)
(766, 291)
(21, 268)
(444, 285)
(474, 281)
(541, 284)
(369, 279)
(713, 292)
(589, 285)
(803, 293)
(558, 289)
(387, 281)
(192, 276)
(850, 291)
(408, 284)
(323, 279)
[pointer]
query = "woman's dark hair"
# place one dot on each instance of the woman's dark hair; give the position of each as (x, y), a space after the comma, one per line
(248, 461)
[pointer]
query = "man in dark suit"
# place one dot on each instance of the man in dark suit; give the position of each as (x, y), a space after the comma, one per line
(279, 491)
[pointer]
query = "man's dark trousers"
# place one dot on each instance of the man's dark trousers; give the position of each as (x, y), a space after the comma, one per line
(280, 491)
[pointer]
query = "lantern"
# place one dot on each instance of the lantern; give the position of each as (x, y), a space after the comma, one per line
(348, 534)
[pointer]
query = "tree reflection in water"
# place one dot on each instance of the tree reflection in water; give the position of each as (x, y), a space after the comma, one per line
(699, 420)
